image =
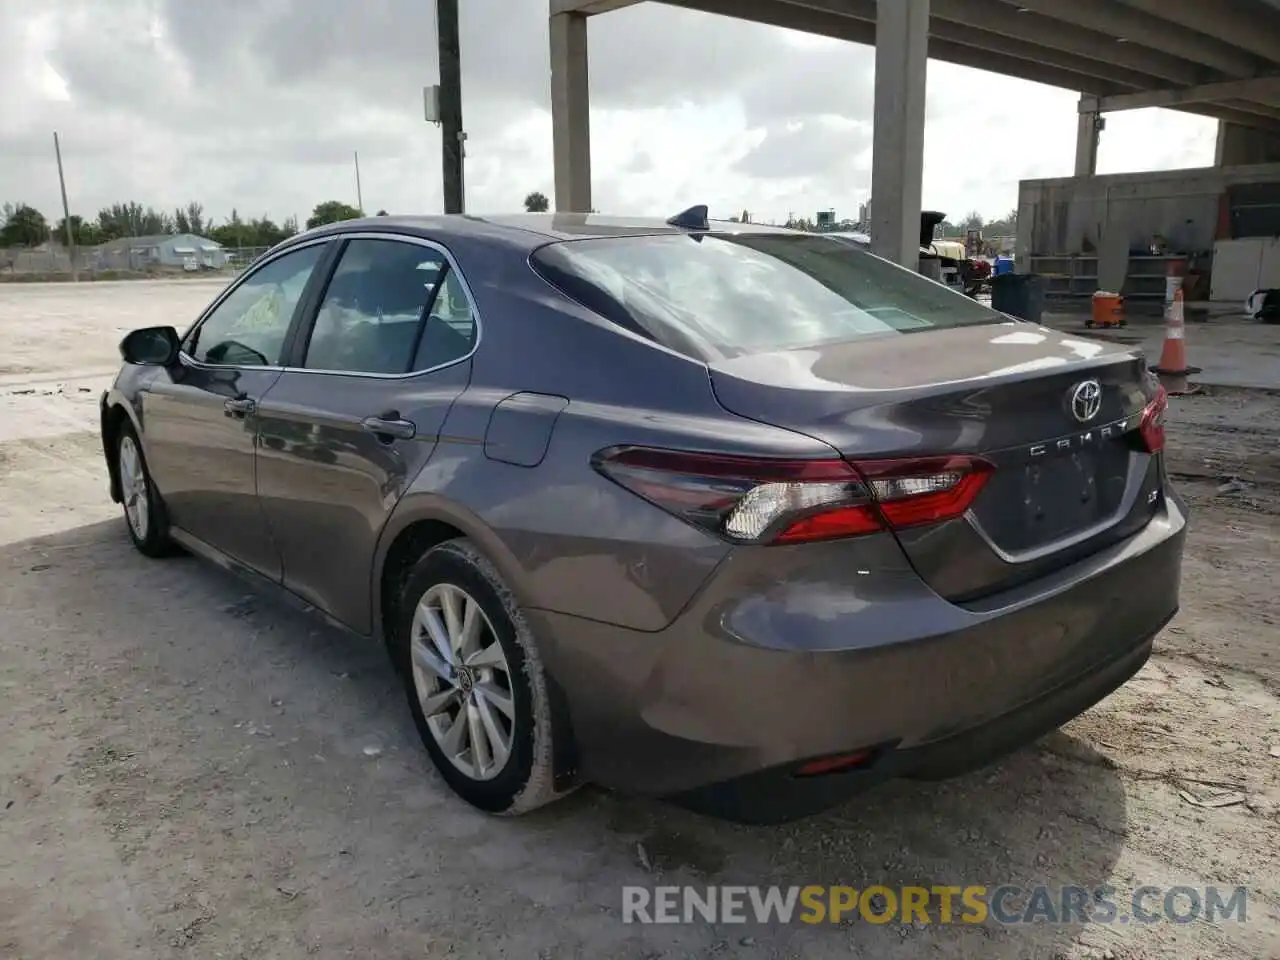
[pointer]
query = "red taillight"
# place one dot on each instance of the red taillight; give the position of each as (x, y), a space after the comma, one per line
(850, 521)
(1152, 428)
(915, 492)
(766, 500)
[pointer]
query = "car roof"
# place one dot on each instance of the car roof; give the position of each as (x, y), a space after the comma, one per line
(528, 229)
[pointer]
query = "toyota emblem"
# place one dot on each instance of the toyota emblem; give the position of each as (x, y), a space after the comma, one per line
(1086, 400)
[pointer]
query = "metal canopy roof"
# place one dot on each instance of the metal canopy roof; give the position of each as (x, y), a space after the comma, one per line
(1220, 59)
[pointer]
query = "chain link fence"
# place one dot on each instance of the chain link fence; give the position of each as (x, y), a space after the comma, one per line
(51, 262)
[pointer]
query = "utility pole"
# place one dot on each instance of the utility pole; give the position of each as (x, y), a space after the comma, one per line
(451, 136)
(66, 212)
(359, 194)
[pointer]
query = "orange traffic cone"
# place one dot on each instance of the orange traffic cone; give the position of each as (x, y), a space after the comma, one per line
(1172, 368)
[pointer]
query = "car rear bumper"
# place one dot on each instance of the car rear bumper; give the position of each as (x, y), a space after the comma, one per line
(777, 795)
(829, 656)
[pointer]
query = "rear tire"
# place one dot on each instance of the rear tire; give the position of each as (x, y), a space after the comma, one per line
(144, 514)
(475, 682)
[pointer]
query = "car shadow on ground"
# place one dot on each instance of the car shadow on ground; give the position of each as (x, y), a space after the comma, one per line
(281, 748)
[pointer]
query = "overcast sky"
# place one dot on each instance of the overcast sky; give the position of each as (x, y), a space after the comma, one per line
(259, 104)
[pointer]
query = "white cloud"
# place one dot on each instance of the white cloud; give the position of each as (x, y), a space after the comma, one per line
(260, 104)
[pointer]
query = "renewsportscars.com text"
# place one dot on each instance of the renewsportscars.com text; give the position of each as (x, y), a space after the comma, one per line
(1005, 904)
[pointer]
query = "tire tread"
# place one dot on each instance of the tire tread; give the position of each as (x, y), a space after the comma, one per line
(539, 788)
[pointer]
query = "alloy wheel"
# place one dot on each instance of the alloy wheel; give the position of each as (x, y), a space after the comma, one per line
(133, 487)
(463, 682)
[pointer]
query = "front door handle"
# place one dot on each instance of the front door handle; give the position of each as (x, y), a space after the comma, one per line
(389, 426)
(239, 407)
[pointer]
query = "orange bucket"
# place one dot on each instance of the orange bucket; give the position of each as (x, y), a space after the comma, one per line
(1108, 310)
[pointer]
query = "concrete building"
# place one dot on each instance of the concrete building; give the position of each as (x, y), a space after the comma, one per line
(161, 250)
(1217, 59)
(1220, 220)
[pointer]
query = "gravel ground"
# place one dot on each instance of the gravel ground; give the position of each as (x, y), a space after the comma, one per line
(191, 770)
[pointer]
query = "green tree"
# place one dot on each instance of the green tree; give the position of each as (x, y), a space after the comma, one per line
(537, 202)
(195, 218)
(132, 219)
(24, 226)
(259, 232)
(1004, 227)
(233, 233)
(82, 234)
(264, 232)
(332, 211)
(190, 219)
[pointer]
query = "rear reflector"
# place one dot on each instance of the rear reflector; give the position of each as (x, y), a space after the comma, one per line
(767, 500)
(835, 763)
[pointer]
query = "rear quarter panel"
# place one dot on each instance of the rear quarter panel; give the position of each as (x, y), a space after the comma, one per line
(566, 538)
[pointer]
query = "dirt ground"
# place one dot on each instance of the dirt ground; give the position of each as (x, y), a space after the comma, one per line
(191, 770)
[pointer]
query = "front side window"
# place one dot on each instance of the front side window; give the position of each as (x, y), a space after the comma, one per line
(249, 327)
(381, 311)
(726, 294)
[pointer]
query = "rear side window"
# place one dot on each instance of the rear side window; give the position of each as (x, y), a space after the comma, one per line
(391, 307)
(723, 295)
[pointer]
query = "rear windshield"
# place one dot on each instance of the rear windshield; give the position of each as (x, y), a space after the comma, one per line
(722, 295)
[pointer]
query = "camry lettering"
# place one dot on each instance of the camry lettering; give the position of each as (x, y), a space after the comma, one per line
(1110, 431)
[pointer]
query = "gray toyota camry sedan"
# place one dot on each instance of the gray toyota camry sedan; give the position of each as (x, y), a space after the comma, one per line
(732, 515)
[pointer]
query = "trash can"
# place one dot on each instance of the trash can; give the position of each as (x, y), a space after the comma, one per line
(1108, 310)
(1019, 295)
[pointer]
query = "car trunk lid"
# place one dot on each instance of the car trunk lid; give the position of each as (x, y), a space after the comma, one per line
(1056, 415)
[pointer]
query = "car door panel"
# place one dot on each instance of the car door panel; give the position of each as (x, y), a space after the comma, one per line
(327, 483)
(201, 456)
(200, 415)
(339, 447)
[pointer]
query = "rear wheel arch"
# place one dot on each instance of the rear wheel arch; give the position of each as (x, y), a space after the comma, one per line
(408, 547)
(408, 539)
(415, 537)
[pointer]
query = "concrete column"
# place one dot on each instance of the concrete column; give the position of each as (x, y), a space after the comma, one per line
(1222, 148)
(897, 156)
(570, 113)
(1088, 126)
(1239, 145)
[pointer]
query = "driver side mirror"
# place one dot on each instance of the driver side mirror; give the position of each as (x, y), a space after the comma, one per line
(150, 346)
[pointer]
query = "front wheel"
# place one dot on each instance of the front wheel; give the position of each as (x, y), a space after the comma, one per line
(475, 682)
(144, 513)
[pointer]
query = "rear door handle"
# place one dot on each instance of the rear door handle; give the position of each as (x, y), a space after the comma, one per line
(239, 407)
(389, 425)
